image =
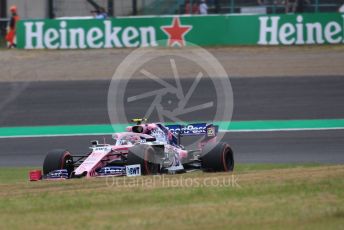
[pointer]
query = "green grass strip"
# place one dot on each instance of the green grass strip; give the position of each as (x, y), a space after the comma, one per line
(268, 125)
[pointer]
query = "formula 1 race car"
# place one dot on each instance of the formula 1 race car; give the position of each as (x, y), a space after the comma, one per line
(146, 149)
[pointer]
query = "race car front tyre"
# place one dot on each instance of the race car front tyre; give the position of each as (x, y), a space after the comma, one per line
(146, 157)
(58, 159)
(217, 157)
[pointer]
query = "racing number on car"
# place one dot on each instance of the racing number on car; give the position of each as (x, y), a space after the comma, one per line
(211, 132)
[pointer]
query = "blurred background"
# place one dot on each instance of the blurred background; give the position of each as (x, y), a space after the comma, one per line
(67, 8)
(28, 9)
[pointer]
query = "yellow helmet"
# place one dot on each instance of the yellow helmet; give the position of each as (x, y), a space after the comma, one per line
(139, 120)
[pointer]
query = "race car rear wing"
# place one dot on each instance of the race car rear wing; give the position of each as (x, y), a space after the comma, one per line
(198, 129)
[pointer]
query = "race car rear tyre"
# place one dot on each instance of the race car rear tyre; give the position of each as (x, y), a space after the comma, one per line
(58, 159)
(145, 156)
(217, 157)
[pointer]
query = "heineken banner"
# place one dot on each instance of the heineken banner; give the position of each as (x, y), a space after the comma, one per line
(216, 30)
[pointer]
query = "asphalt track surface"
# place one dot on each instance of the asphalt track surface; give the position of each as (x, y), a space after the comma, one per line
(85, 102)
(262, 147)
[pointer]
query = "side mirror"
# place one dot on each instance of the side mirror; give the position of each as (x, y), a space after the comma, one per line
(95, 143)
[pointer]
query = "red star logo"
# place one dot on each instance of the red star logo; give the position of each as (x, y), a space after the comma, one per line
(176, 32)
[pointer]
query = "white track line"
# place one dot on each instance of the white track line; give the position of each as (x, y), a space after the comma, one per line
(281, 130)
(225, 131)
(56, 135)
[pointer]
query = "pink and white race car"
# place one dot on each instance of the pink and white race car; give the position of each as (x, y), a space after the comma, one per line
(144, 149)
